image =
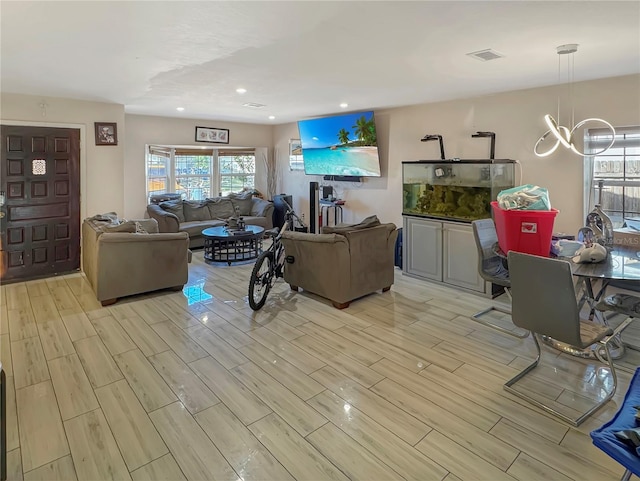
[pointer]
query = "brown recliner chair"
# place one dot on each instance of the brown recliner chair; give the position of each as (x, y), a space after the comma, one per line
(344, 265)
(131, 258)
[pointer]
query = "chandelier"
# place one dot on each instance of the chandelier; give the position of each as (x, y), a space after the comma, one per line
(564, 135)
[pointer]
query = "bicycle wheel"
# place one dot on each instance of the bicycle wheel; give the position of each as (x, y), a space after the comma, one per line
(260, 282)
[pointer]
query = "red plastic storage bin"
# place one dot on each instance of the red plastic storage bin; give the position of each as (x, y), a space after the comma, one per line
(527, 231)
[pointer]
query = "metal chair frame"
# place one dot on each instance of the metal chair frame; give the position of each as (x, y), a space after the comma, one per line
(574, 421)
(484, 244)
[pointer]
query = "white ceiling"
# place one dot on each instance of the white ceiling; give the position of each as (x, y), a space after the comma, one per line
(302, 59)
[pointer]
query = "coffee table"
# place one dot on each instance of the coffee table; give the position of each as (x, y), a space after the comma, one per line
(223, 245)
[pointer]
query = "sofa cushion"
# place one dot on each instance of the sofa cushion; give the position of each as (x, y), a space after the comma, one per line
(195, 210)
(220, 208)
(371, 221)
(195, 228)
(242, 201)
(174, 207)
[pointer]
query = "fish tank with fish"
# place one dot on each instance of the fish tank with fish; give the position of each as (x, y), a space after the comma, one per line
(459, 190)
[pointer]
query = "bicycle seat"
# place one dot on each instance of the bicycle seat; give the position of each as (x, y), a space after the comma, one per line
(271, 232)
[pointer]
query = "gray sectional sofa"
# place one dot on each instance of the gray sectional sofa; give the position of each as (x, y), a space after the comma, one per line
(193, 217)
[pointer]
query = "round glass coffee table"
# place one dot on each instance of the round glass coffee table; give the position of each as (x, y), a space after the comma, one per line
(225, 245)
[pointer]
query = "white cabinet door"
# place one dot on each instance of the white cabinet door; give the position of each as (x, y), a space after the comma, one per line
(422, 248)
(460, 257)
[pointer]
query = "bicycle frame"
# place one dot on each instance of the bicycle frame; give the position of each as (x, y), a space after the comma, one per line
(275, 257)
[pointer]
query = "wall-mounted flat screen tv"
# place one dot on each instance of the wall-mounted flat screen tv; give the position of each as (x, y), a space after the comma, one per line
(341, 145)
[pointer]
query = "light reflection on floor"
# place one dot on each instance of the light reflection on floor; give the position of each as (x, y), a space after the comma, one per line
(195, 292)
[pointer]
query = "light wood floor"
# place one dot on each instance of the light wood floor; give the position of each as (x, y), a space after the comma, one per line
(401, 385)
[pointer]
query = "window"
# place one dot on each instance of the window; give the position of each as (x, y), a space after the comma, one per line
(616, 172)
(193, 172)
(199, 173)
(237, 170)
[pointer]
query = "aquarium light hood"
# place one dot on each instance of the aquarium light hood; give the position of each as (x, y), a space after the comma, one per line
(437, 137)
(492, 153)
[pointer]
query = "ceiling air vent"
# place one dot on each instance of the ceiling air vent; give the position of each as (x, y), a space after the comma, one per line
(253, 105)
(485, 55)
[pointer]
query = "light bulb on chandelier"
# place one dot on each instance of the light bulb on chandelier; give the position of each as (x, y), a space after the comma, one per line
(564, 135)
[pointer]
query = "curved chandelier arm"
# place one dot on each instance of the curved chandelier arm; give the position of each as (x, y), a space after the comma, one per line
(580, 124)
(559, 131)
(562, 134)
(548, 152)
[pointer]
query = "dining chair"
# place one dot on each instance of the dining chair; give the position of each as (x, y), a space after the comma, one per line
(544, 302)
(491, 268)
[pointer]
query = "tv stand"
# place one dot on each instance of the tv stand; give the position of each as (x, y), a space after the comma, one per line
(343, 178)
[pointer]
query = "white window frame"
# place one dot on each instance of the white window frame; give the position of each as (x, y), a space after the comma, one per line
(210, 175)
(224, 153)
(628, 140)
(215, 175)
(151, 151)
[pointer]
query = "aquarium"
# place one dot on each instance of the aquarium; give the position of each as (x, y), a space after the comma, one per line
(454, 190)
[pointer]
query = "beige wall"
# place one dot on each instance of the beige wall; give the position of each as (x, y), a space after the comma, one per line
(143, 129)
(114, 176)
(101, 166)
(515, 117)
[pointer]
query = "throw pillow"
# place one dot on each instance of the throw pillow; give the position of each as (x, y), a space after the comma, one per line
(243, 202)
(110, 217)
(128, 226)
(195, 210)
(370, 221)
(174, 207)
(220, 208)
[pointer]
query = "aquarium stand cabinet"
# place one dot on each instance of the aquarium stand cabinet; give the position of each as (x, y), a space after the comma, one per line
(442, 251)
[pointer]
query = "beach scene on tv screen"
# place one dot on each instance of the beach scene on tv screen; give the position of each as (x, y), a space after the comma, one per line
(340, 145)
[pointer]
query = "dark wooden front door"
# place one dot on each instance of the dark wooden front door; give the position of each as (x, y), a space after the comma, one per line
(40, 182)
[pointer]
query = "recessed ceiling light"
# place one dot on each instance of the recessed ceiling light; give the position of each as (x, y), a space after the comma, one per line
(272, 117)
(179, 109)
(241, 91)
(344, 105)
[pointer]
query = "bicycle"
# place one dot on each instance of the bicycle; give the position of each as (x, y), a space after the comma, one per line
(270, 264)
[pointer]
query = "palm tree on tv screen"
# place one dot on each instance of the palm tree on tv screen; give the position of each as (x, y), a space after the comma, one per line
(365, 131)
(343, 136)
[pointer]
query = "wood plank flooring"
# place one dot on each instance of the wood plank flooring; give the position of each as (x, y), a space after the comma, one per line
(194, 385)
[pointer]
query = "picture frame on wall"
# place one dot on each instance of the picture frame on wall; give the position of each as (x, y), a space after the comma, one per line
(212, 135)
(106, 133)
(295, 155)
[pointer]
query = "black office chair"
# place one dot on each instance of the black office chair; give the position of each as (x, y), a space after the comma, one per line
(491, 268)
(544, 302)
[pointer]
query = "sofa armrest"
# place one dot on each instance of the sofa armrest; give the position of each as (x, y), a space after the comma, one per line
(120, 237)
(261, 207)
(167, 222)
(320, 264)
(295, 236)
(150, 225)
(372, 257)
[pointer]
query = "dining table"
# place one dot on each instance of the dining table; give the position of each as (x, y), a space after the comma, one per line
(621, 268)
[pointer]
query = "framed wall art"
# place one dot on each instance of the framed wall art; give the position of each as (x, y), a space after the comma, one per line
(212, 135)
(295, 155)
(106, 133)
